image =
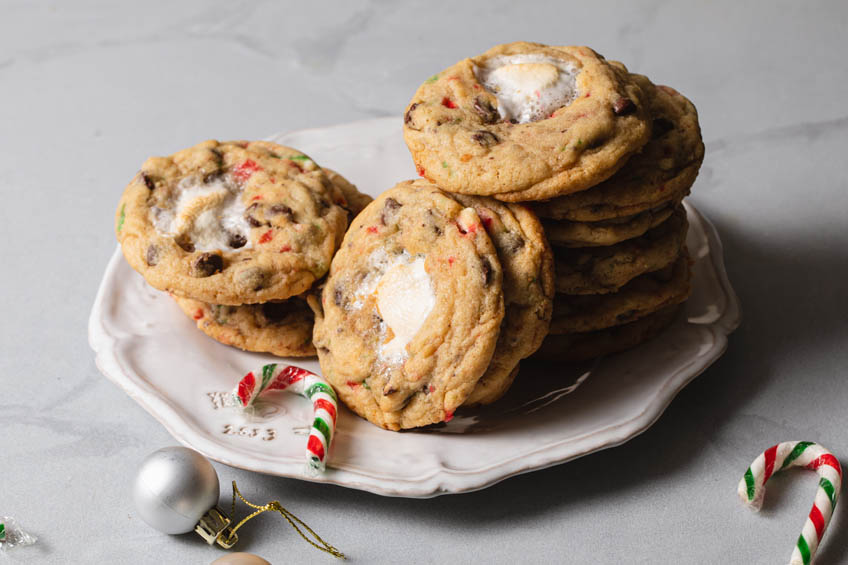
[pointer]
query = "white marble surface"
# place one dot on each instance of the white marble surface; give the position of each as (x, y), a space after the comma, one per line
(88, 90)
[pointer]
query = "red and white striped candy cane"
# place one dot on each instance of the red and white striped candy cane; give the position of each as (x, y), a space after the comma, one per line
(797, 454)
(305, 383)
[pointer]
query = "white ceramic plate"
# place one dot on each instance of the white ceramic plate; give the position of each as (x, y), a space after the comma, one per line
(147, 346)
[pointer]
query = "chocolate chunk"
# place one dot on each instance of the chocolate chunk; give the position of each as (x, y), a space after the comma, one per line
(390, 208)
(236, 240)
(661, 127)
(513, 242)
(251, 278)
(486, 111)
(282, 209)
(275, 312)
(248, 215)
(253, 221)
(487, 271)
(623, 106)
(407, 118)
(185, 243)
(485, 138)
(148, 182)
(213, 177)
(207, 264)
(389, 390)
(152, 255)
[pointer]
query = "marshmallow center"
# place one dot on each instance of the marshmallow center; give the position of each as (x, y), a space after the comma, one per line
(528, 87)
(209, 214)
(405, 298)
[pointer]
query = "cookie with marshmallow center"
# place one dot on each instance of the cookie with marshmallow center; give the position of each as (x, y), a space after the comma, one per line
(232, 223)
(409, 316)
(526, 121)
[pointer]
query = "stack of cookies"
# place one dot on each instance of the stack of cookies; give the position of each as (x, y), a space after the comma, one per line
(602, 155)
(237, 232)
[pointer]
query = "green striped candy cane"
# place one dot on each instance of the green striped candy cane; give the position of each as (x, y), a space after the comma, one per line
(804, 454)
(305, 383)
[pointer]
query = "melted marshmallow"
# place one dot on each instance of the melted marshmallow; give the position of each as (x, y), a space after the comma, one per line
(528, 87)
(208, 214)
(404, 300)
(404, 297)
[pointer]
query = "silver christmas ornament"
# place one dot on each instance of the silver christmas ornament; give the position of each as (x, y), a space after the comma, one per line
(176, 491)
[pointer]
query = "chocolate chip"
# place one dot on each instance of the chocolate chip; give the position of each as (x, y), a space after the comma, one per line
(390, 208)
(148, 182)
(275, 312)
(623, 106)
(251, 278)
(487, 271)
(152, 255)
(407, 118)
(282, 209)
(486, 111)
(253, 221)
(213, 177)
(485, 138)
(248, 215)
(236, 240)
(661, 127)
(207, 264)
(185, 243)
(513, 242)
(389, 390)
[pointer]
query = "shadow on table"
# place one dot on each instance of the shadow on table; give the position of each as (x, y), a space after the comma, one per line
(789, 294)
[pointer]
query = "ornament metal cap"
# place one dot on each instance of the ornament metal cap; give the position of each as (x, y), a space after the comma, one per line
(215, 527)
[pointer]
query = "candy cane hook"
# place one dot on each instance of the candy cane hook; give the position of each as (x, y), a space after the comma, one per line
(797, 454)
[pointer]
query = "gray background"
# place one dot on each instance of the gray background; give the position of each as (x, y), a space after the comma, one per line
(87, 91)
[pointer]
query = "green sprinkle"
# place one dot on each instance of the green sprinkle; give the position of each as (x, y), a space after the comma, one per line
(432, 79)
(2, 531)
(563, 148)
(365, 385)
(579, 142)
(299, 158)
(121, 218)
(445, 165)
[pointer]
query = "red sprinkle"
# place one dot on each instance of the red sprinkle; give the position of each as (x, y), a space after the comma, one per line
(454, 78)
(432, 388)
(448, 103)
(285, 248)
(420, 170)
(448, 416)
(476, 86)
(267, 236)
(371, 229)
(242, 172)
(352, 384)
(198, 314)
(257, 197)
(588, 94)
(451, 259)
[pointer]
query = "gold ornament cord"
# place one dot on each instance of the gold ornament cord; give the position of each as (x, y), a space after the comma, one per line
(295, 522)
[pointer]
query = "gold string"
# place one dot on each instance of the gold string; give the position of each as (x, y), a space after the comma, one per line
(275, 506)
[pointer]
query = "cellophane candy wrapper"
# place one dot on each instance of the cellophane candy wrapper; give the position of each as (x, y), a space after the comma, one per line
(11, 534)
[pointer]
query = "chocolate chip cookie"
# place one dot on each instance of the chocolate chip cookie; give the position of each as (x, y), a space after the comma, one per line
(576, 347)
(565, 233)
(662, 173)
(282, 328)
(526, 121)
(638, 298)
(231, 223)
(528, 289)
(410, 314)
(601, 270)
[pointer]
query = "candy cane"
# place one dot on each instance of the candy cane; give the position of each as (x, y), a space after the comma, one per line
(305, 383)
(797, 454)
